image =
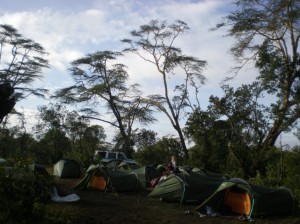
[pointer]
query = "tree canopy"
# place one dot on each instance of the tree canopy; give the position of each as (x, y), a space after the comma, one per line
(268, 32)
(22, 61)
(155, 43)
(101, 83)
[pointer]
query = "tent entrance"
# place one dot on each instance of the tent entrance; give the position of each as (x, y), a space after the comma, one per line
(238, 201)
(98, 183)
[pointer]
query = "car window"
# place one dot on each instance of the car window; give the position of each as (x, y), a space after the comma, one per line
(121, 156)
(111, 155)
(102, 154)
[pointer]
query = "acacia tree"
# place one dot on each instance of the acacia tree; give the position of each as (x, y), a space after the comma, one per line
(99, 83)
(268, 31)
(155, 43)
(22, 61)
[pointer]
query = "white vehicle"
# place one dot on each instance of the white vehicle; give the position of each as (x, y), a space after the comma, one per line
(107, 156)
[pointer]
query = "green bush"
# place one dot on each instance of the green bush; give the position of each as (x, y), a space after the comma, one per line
(282, 169)
(23, 194)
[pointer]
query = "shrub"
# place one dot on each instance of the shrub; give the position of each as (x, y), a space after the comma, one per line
(23, 194)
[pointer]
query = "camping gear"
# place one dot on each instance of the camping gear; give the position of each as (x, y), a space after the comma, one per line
(67, 168)
(224, 195)
(187, 187)
(236, 196)
(67, 198)
(95, 177)
(105, 178)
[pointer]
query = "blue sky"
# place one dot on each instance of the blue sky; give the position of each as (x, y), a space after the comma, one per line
(69, 29)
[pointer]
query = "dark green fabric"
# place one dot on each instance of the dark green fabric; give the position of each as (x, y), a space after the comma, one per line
(216, 199)
(272, 201)
(264, 201)
(66, 168)
(186, 187)
(211, 190)
(124, 180)
(120, 180)
(84, 183)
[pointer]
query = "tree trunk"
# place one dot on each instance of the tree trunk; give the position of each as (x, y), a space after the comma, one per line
(182, 141)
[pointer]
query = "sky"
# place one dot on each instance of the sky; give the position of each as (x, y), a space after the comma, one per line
(70, 29)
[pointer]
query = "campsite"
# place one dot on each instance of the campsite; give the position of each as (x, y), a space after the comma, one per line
(97, 208)
(123, 193)
(149, 111)
(114, 196)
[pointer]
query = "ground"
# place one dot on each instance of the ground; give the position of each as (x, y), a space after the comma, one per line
(97, 207)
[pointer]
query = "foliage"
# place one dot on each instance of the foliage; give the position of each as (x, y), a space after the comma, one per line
(160, 152)
(99, 82)
(8, 143)
(282, 170)
(214, 148)
(66, 134)
(155, 43)
(84, 148)
(211, 144)
(15, 143)
(55, 145)
(292, 171)
(23, 195)
(22, 61)
(247, 120)
(144, 137)
(7, 100)
(268, 33)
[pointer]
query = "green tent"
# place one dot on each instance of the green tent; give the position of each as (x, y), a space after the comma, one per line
(67, 168)
(236, 196)
(272, 201)
(187, 187)
(95, 177)
(105, 178)
(224, 196)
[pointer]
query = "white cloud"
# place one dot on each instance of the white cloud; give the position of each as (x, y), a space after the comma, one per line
(68, 34)
(74, 30)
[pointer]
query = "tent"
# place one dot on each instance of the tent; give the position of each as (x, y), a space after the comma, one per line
(224, 195)
(95, 177)
(187, 187)
(119, 164)
(105, 178)
(236, 196)
(67, 168)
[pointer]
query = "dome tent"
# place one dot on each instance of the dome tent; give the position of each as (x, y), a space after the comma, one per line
(236, 196)
(67, 168)
(119, 180)
(225, 196)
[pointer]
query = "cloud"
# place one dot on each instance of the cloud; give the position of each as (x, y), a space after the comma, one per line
(68, 31)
